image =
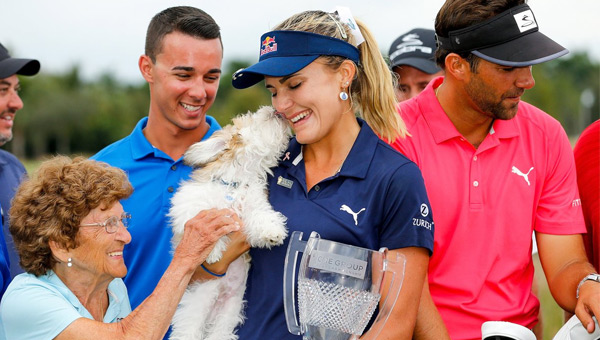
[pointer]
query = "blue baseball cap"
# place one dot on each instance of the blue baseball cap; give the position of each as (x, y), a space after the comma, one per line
(286, 52)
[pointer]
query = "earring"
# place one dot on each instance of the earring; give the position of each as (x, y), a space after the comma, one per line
(343, 93)
(70, 262)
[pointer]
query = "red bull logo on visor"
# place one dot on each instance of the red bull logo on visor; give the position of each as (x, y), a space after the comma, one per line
(268, 45)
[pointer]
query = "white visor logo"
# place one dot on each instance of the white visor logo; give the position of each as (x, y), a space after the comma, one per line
(525, 20)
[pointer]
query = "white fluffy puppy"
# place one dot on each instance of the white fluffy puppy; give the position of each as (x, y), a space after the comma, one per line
(231, 169)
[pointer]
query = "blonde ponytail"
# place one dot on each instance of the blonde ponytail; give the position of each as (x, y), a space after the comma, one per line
(375, 93)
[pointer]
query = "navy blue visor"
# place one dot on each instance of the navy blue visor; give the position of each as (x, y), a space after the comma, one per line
(286, 52)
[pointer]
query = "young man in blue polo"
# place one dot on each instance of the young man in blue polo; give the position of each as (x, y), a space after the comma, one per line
(182, 65)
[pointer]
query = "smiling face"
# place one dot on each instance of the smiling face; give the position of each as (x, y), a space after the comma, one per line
(496, 90)
(10, 103)
(309, 100)
(183, 80)
(100, 254)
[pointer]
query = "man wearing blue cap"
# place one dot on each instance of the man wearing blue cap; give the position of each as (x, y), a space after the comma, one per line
(11, 169)
(412, 58)
(496, 169)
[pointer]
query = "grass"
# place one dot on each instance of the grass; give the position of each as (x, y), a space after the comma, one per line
(31, 165)
(552, 314)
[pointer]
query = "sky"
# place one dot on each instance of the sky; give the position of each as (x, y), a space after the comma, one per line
(108, 36)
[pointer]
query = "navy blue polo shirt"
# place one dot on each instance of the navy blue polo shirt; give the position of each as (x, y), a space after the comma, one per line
(12, 172)
(155, 177)
(4, 261)
(378, 185)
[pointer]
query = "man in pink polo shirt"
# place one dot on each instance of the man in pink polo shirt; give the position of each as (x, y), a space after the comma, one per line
(496, 169)
(587, 160)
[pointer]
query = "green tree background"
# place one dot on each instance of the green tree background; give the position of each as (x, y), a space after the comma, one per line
(64, 114)
(67, 115)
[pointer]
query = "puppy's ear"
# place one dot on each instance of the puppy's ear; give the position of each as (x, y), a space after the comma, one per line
(207, 151)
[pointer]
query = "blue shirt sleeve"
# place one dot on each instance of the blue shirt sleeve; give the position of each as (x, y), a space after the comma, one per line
(408, 221)
(32, 310)
(4, 260)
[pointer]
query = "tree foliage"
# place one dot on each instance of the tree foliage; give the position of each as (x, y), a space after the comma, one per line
(559, 87)
(64, 114)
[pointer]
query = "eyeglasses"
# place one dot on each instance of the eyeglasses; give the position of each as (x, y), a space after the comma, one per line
(111, 225)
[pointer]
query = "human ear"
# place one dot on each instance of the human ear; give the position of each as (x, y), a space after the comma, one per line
(347, 71)
(457, 67)
(59, 252)
(145, 64)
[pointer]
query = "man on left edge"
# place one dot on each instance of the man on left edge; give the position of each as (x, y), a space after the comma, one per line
(11, 169)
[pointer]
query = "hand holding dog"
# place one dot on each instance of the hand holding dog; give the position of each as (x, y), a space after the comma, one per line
(237, 246)
(202, 232)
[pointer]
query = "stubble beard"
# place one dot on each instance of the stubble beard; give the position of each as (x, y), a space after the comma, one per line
(6, 137)
(488, 105)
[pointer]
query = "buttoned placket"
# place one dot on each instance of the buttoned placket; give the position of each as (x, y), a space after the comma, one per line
(476, 169)
(173, 176)
(475, 180)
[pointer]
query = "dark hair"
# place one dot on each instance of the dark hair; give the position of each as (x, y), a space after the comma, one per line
(184, 19)
(457, 14)
(50, 205)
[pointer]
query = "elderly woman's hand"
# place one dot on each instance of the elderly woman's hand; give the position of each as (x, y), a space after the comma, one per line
(202, 231)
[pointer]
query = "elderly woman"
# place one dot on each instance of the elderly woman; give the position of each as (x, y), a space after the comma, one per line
(70, 230)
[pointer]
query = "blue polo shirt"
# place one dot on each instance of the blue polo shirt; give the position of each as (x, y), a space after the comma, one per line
(12, 172)
(374, 177)
(41, 307)
(4, 260)
(155, 177)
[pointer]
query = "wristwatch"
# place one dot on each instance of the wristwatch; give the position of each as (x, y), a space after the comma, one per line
(590, 277)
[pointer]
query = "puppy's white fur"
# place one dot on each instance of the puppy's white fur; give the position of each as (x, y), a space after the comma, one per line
(231, 172)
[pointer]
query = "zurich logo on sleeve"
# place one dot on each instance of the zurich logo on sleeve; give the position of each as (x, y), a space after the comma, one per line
(422, 222)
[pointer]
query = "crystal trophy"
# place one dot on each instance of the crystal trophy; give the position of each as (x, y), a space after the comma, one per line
(338, 288)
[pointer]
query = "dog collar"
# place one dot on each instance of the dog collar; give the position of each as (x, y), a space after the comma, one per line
(230, 184)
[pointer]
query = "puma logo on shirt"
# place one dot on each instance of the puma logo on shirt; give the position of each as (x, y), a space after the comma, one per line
(515, 170)
(354, 214)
